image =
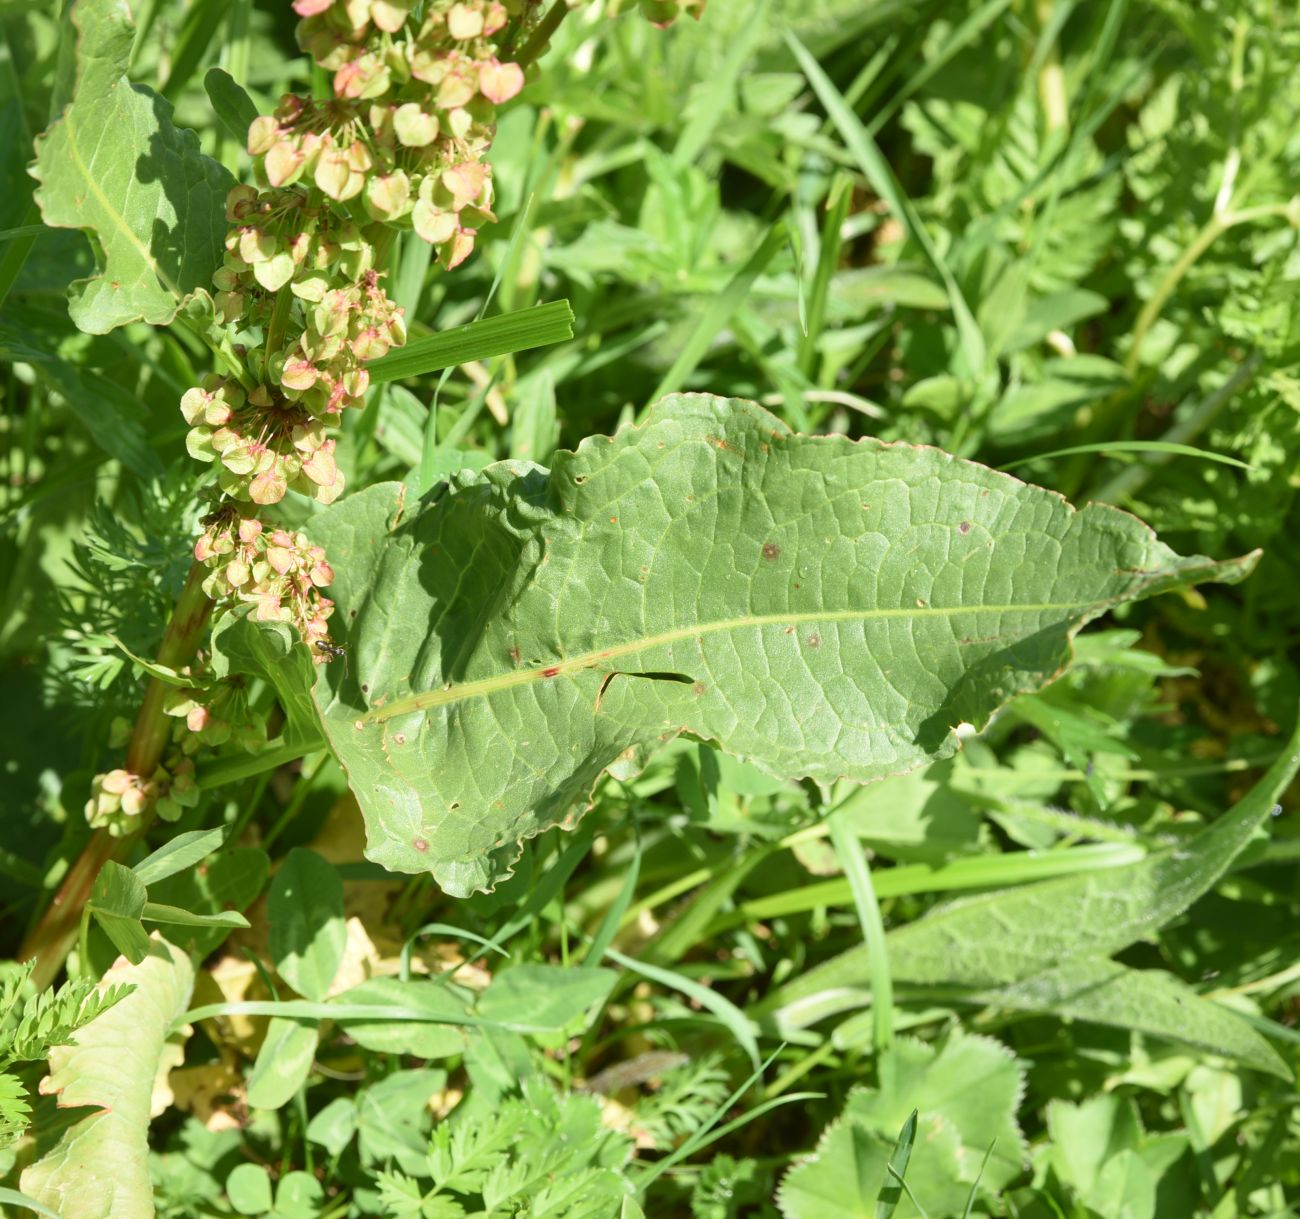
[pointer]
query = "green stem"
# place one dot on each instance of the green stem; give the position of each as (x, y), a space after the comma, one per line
(1208, 235)
(536, 46)
(179, 642)
(1210, 232)
(275, 329)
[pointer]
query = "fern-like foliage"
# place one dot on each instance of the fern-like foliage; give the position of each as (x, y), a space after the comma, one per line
(728, 1187)
(689, 1096)
(31, 1025)
(15, 1112)
(127, 569)
(540, 1154)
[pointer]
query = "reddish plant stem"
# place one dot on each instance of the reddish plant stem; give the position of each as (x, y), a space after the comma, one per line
(51, 939)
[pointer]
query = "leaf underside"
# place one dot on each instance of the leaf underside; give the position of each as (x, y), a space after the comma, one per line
(116, 166)
(99, 1168)
(819, 606)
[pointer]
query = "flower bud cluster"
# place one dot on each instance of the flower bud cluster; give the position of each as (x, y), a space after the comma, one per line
(277, 572)
(262, 443)
(119, 798)
(413, 113)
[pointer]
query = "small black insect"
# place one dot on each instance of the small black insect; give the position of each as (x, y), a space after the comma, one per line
(331, 650)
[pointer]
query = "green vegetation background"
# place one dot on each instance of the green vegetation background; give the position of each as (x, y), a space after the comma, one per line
(1110, 188)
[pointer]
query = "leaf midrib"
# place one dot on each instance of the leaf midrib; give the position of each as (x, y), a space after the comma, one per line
(487, 686)
(118, 219)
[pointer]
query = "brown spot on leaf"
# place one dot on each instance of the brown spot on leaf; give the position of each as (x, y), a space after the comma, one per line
(963, 527)
(699, 688)
(400, 738)
(814, 640)
(771, 551)
(420, 844)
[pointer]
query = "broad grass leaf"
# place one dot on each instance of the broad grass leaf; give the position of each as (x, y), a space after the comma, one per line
(115, 165)
(308, 934)
(99, 1168)
(817, 606)
(1146, 1001)
(179, 854)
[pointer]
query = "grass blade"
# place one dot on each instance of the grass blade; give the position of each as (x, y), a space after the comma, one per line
(719, 313)
(877, 172)
(727, 1012)
(848, 850)
(1133, 446)
(11, 1197)
(892, 1194)
(492, 336)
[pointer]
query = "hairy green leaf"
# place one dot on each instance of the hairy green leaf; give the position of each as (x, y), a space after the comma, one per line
(1146, 1001)
(818, 606)
(116, 166)
(1004, 936)
(842, 1179)
(99, 1168)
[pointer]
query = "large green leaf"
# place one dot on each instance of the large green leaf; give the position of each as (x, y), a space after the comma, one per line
(116, 166)
(99, 1168)
(818, 606)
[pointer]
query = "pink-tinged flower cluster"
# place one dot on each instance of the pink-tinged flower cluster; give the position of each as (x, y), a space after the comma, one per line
(337, 315)
(280, 574)
(413, 113)
(262, 443)
(119, 798)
